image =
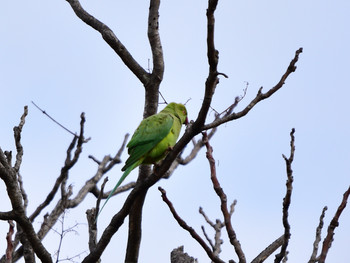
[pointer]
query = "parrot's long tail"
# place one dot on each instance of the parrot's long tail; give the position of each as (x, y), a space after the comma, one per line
(125, 174)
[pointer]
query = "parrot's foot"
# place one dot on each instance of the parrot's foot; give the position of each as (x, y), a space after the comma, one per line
(170, 148)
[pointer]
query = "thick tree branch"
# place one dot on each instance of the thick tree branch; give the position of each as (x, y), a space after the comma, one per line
(111, 39)
(151, 105)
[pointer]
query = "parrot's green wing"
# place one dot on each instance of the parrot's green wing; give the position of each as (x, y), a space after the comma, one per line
(150, 132)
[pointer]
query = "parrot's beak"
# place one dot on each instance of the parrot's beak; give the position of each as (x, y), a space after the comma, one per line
(186, 121)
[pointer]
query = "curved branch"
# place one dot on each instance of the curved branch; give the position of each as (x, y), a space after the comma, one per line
(259, 97)
(111, 39)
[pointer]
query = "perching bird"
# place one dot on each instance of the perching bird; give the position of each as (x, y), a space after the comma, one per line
(153, 139)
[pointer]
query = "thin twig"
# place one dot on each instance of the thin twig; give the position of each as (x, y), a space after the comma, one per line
(207, 238)
(217, 237)
(163, 97)
(51, 118)
(98, 201)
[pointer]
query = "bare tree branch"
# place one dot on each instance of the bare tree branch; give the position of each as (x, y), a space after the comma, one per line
(189, 229)
(154, 40)
(9, 249)
(223, 198)
(269, 250)
(330, 231)
(216, 247)
(68, 164)
(17, 130)
(287, 199)
(150, 108)
(213, 58)
(51, 118)
(111, 39)
(24, 194)
(313, 258)
(10, 176)
(103, 167)
(259, 97)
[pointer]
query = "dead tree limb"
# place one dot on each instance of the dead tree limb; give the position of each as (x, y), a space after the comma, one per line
(189, 229)
(269, 250)
(111, 39)
(223, 199)
(313, 258)
(9, 175)
(259, 97)
(287, 199)
(333, 224)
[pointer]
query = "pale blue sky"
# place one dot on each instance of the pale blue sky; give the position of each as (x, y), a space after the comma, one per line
(51, 57)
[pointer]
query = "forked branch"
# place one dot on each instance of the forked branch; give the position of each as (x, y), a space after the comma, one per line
(189, 229)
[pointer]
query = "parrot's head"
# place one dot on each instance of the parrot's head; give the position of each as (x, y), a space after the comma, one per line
(179, 110)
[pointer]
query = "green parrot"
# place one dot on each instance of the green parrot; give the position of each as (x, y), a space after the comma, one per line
(153, 139)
